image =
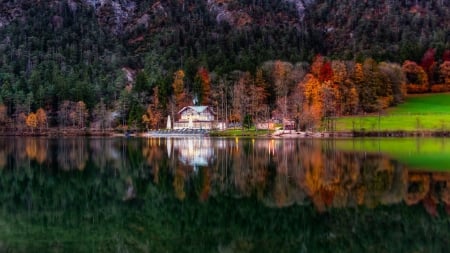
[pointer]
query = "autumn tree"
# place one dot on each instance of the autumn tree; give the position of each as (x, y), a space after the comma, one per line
(416, 77)
(31, 121)
(179, 92)
(340, 79)
(3, 115)
(446, 55)
(346, 92)
(445, 73)
(41, 117)
(392, 73)
(367, 82)
(370, 87)
(316, 65)
(326, 72)
(339, 71)
(353, 99)
(428, 64)
(153, 114)
(313, 98)
(202, 86)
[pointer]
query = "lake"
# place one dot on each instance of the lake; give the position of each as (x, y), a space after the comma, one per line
(224, 195)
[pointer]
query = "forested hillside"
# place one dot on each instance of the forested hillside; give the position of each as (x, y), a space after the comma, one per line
(108, 63)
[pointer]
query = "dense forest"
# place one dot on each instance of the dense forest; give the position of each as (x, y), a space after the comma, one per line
(129, 64)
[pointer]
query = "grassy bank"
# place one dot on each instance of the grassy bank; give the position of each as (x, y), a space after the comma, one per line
(428, 112)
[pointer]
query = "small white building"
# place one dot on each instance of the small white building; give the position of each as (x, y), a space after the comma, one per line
(196, 117)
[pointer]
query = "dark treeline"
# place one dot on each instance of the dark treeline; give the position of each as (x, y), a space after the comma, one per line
(73, 62)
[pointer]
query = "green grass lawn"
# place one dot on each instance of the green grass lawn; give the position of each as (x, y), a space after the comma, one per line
(239, 132)
(418, 113)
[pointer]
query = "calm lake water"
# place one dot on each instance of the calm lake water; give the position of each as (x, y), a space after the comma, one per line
(224, 195)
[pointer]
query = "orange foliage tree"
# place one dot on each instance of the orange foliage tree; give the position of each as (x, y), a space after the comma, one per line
(153, 115)
(178, 89)
(313, 97)
(31, 121)
(417, 80)
(204, 90)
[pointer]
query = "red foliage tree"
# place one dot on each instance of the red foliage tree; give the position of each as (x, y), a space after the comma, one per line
(428, 64)
(326, 72)
(446, 55)
(205, 80)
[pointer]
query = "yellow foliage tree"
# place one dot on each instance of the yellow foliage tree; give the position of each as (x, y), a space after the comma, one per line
(31, 121)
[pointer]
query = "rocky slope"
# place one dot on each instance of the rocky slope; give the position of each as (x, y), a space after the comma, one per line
(384, 29)
(121, 16)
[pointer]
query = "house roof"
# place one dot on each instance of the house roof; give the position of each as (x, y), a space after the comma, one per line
(198, 109)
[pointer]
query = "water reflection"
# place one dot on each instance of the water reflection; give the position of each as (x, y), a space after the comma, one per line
(279, 173)
(215, 195)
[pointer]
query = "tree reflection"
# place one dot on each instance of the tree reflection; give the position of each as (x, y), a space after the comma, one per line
(278, 172)
(255, 195)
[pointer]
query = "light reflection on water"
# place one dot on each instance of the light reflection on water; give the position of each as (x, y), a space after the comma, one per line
(218, 195)
(280, 172)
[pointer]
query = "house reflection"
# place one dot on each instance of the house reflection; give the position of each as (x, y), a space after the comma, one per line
(279, 173)
(194, 152)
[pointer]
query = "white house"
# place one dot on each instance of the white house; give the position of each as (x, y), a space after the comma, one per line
(196, 117)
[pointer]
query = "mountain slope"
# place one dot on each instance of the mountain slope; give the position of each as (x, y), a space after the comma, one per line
(83, 50)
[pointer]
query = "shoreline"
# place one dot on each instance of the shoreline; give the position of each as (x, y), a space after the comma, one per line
(356, 134)
(276, 134)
